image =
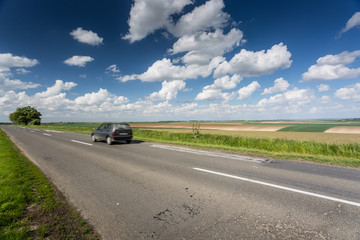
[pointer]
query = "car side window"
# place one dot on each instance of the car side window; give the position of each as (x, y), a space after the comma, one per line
(102, 126)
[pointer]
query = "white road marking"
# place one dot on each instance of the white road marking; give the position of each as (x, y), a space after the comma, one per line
(46, 134)
(213, 154)
(280, 187)
(54, 131)
(89, 144)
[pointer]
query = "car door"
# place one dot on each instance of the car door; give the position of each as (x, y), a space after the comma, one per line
(99, 133)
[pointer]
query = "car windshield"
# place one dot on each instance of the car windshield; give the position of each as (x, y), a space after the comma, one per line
(121, 126)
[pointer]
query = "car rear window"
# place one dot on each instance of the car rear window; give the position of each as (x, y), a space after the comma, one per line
(121, 126)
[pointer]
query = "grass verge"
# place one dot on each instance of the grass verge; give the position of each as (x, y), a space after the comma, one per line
(327, 153)
(30, 207)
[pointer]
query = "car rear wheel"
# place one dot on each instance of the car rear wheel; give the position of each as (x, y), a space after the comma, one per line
(108, 140)
(93, 138)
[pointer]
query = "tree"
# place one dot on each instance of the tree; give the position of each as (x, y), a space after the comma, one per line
(26, 115)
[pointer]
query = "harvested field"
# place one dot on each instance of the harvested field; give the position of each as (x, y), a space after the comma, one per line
(349, 130)
(214, 126)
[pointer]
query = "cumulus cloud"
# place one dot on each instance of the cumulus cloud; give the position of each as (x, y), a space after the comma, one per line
(102, 97)
(212, 94)
(247, 91)
(354, 21)
(351, 92)
(168, 91)
(227, 82)
(79, 61)
(324, 100)
(290, 97)
(86, 36)
(7, 84)
(249, 64)
(165, 70)
(333, 67)
(201, 47)
(7, 61)
(203, 18)
(58, 87)
(280, 85)
(323, 87)
(146, 16)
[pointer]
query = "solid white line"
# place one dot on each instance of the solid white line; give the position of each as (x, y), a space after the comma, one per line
(212, 154)
(46, 134)
(280, 187)
(53, 131)
(89, 144)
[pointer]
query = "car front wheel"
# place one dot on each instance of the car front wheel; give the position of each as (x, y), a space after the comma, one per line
(108, 140)
(93, 138)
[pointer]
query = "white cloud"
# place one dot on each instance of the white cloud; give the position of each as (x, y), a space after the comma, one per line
(58, 87)
(146, 16)
(351, 92)
(113, 68)
(227, 82)
(249, 64)
(247, 91)
(291, 98)
(332, 67)
(22, 71)
(165, 70)
(15, 84)
(79, 61)
(168, 91)
(212, 94)
(354, 21)
(280, 85)
(100, 98)
(323, 87)
(201, 47)
(324, 100)
(7, 61)
(205, 17)
(86, 36)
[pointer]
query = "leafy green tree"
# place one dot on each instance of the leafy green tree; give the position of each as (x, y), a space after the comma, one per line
(26, 115)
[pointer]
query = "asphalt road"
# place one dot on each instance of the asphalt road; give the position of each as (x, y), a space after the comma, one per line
(152, 191)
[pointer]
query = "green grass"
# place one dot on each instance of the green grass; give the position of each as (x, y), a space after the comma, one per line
(30, 207)
(330, 153)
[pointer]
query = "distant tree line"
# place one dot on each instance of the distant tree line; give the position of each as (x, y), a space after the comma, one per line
(26, 115)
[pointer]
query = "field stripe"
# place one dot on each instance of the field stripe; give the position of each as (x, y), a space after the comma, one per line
(280, 187)
(46, 134)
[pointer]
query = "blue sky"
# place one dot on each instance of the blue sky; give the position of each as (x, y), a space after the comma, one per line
(150, 60)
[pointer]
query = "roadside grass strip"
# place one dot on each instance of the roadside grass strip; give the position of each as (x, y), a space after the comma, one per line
(30, 207)
(330, 153)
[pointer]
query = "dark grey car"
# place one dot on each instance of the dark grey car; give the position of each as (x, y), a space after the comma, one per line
(111, 132)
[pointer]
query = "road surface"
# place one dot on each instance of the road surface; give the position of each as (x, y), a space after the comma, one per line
(153, 191)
